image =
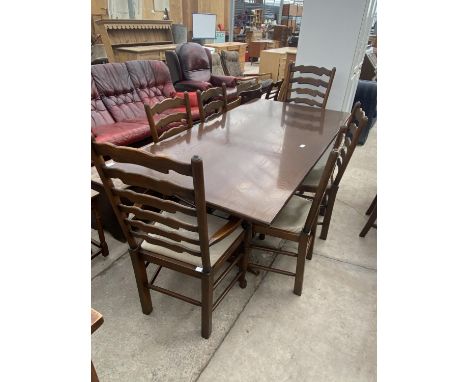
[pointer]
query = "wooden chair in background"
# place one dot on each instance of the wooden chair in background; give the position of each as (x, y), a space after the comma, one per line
(273, 90)
(164, 230)
(172, 115)
(212, 102)
(254, 92)
(316, 82)
(296, 222)
(345, 142)
(372, 211)
(96, 321)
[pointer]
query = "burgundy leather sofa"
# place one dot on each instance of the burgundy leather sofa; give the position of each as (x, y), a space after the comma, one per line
(190, 68)
(118, 94)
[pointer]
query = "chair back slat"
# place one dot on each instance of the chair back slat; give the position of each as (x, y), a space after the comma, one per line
(133, 179)
(274, 90)
(153, 201)
(179, 248)
(233, 104)
(316, 79)
(313, 70)
(309, 81)
(152, 208)
(151, 228)
(168, 103)
(212, 102)
(308, 101)
(157, 217)
(311, 92)
(142, 158)
(166, 113)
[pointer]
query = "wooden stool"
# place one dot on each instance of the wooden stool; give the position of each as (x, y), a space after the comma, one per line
(372, 211)
(101, 244)
(96, 322)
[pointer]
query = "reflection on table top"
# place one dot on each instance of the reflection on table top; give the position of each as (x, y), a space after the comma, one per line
(254, 156)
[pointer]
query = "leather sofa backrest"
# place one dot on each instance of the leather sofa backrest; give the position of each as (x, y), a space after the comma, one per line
(99, 114)
(194, 62)
(151, 80)
(117, 91)
(231, 63)
(216, 66)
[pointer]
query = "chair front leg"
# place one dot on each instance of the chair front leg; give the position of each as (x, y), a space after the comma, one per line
(328, 212)
(141, 278)
(301, 256)
(207, 304)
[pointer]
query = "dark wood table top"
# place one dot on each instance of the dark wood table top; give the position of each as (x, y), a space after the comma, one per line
(254, 156)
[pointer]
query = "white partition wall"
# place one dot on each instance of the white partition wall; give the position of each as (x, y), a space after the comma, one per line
(335, 33)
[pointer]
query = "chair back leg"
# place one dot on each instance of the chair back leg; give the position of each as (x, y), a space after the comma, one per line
(328, 212)
(301, 256)
(207, 304)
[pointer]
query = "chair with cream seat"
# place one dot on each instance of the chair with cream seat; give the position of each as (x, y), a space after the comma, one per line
(346, 142)
(164, 230)
(296, 222)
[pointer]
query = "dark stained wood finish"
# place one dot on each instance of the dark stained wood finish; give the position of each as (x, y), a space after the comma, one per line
(180, 120)
(305, 238)
(248, 95)
(254, 156)
(212, 102)
(345, 142)
(372, 211)
(96, 322)
(101, 244)
(273, 90)
(153, 196)
(318, 80)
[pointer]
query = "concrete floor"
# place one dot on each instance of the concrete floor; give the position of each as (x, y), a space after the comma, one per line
(263, 332)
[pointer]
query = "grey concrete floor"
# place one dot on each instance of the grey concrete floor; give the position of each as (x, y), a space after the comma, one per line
(261, 333)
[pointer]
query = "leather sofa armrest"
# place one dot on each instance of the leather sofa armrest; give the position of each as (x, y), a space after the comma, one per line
(191, 86)
(230, 81)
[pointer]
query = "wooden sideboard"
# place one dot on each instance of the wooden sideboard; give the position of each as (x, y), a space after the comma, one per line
(126, 40)
(275, 61)
(238, 46)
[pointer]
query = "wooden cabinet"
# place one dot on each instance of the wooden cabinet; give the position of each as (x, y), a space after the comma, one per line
(237, 46)
(150, 52)
(275, 61)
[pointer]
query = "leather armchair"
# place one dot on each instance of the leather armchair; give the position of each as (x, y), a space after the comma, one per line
(190, 68)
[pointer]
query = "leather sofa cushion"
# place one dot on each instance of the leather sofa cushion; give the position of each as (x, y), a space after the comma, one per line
(117, 91)
(121, 133)
(99, 113)
(192, 98)
(230, 81)
(194, 62)
(151, 80)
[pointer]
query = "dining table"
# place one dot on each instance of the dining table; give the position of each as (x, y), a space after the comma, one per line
(254, 156)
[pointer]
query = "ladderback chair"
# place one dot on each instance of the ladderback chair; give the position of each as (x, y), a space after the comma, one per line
(345, 142)
(273, 90)
(231, 65)
(173, 115)
(311, 85)
(253, 93)
(163, 230)
(212, 102)
(296, 222)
